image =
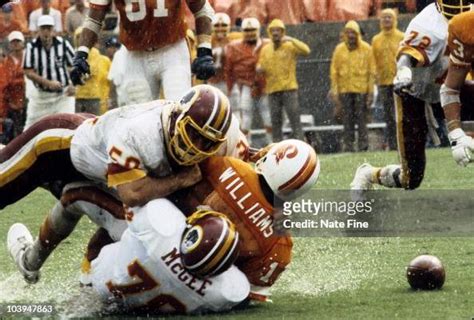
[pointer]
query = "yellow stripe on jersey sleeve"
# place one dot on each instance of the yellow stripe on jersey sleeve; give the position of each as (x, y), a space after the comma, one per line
(117, 179)
(415, 53)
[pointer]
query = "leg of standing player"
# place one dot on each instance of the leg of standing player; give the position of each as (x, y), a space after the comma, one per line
(411, 136)
(176, 73)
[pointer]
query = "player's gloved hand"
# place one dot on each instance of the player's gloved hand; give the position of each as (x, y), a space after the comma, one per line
(203, 66)
(462, 147)
(403, 81)
(80, 68)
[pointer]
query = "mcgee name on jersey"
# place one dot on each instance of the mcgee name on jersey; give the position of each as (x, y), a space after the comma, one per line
(173, 262)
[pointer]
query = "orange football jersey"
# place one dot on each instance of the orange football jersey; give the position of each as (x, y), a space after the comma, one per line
(263, 253)
(461, 38)
(148, 24)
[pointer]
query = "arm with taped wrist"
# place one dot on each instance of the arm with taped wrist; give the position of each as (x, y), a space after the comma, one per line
(203, 13)
(450, 93)
(92, 26)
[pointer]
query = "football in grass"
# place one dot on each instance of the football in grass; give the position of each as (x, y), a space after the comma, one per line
(426, 272)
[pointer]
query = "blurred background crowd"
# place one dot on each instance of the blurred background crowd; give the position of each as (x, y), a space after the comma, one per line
(269, 89)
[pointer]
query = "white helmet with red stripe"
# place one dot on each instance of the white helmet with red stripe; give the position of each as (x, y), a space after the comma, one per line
(290, 167)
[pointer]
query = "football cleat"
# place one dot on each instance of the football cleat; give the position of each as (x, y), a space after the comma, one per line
(19, 239)
(362, 181)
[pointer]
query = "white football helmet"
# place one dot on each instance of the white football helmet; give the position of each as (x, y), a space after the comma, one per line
(290, 167)
(221, 23)
(251, 29)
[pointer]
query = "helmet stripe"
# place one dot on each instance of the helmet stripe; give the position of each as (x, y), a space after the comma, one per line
(303, 175)
(214, 109)
(222, 250)
(229, 254)
(211, 253)
(222, 117)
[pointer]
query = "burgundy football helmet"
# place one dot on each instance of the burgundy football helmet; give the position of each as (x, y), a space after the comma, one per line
(210, 244)
(201, 126)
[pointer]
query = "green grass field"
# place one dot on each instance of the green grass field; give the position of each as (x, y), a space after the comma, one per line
(330, 278)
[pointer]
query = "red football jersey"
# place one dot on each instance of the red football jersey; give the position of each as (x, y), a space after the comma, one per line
(148, 24)
(237, 194)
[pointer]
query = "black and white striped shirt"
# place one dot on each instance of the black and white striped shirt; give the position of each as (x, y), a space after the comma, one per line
(50, 64)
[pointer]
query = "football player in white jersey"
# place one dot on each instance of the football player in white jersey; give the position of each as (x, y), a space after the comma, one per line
(143, 151)
(421, 66)
(174, 267)
(121, 146)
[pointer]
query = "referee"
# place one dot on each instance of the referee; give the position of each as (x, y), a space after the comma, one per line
(46, 61)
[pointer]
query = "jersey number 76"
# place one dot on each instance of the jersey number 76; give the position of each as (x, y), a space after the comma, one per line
(160, 303)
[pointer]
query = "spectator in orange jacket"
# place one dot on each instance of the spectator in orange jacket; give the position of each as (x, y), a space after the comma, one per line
(15, 91)
(11, 20)
(241, 77)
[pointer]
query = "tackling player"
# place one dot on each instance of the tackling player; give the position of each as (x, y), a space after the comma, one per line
(174, 267)
(154, 33)
(288, 170)
(461, 47)
(421, 66)
(140, 150)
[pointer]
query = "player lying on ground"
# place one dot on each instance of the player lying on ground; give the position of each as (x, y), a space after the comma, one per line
(145, 151)
(421, 65)
(461, 47)
(173, 267)
(245, 195)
